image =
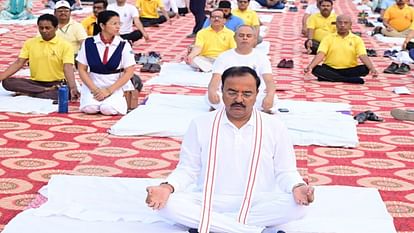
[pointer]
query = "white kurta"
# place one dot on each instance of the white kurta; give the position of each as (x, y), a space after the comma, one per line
(273, 202)
(116, 100)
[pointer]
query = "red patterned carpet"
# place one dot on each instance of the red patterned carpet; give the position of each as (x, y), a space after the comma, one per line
(33, 147)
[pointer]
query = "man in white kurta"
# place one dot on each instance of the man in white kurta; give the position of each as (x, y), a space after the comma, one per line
(278, 193)
(244, 55)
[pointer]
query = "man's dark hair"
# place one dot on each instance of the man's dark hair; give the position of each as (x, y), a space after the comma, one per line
(237, 71)
(105, 16)
(105, 2)
(321, 1)
(48, 17)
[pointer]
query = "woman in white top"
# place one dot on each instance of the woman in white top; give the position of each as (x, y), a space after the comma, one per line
(110, 61)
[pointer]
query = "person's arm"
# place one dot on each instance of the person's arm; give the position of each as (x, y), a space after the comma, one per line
(13, 68)
(125, 77)
(70, 79)
(195, 51)
(366, 61)
(213, 86)
(316, 60)
(138, 25)
(270, 92)
(407, 39)
(164, 12)
(304, 28)
(387, 25)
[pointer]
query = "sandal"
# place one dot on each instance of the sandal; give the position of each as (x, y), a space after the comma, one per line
(361, 117)
(146, 67)
(373, 117)
(155, 68)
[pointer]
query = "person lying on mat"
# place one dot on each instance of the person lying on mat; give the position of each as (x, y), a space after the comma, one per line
(16, 9)
(340, 52)
(244, 55)
(210, 43)
(50, 61)
(110, 62)
(320, 25)
(237, 170)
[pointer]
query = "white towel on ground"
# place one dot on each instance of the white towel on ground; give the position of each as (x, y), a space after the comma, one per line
(88, 204)
(309, 123)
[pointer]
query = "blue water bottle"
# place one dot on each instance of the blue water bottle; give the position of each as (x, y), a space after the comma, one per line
(63, 99)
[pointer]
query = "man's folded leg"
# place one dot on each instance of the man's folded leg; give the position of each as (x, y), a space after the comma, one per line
(43, 90)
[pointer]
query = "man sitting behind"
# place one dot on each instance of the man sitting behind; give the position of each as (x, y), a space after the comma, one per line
(69, 29)
(272, 4)
(249, 16)
(340, 52)
(236, 186)
(232, 21)
(50, 62)
(398, 20)
(244, 55)
(148, 11)
(210, 43)
(89, 23)
(320, 25)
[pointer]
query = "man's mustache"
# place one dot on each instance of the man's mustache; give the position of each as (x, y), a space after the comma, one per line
(238, 105)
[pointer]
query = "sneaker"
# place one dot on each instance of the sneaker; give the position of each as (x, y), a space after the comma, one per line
(391, 68)
(282, 63)
(403, 69)
(289, 64)
(403, 114)
(387, 53)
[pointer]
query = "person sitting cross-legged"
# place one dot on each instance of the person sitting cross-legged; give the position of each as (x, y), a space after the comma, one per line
(50, 61)
(237, 170)
(210, 43)
(398, 20)
(89, 23)
(232, 21)
(148, 12)
(340, 52)
(16, 10)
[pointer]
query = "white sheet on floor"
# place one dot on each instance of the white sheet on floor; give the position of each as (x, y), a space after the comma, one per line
(309, 123)
(18, 21)
(88, 204)
(263, 47)
(265, 18)
(390, 40)
(4, 30)
(24, 104)
(180, 74)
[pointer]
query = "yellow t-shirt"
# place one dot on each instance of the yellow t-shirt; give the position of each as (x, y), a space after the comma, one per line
(73, 32)
(341, 52)
(214, 43)
(87, 23)
(46, 58)
(249, 16)
(322, 26)
(149, 8)
(400, 19)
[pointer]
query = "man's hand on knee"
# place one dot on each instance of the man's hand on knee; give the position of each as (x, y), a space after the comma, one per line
(158, 196)
(303, 194)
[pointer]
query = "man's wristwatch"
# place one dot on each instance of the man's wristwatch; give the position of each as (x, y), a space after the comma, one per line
(169, 185)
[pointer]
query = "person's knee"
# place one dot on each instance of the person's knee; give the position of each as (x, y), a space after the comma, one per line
(108, 110)
(90, 109)
(8, 84)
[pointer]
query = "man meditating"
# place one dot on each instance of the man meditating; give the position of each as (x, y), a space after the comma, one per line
(237, 170)
(50, 61)
(340, 52)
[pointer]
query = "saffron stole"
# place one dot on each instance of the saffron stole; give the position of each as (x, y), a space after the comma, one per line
(205, 218)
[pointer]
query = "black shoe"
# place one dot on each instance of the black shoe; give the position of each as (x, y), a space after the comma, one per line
(391, 68)
(371, 53)
(377, 30)
(192, 230)
(403, 69)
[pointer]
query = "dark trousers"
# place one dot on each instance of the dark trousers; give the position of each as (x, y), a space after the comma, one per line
(197, 8)
(348, 75)
(147, 22)
(133, 36)
(32, 88)
(314, 48)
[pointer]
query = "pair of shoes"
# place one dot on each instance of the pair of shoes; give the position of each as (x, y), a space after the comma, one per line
(285, 63)
(367, 115)
(389, 53)
(293, 9)
(369, 24)
(151, 68)
(141, 58)
(192, 35)
(371, 53)
(394, 68)
(362, 21)
(362, 14)
(377, 30)
(403, 114)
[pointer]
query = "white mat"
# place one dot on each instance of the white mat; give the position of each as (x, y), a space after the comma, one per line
(19, 22)
(4, 30)
(180, 74)
(111, 205)
(265, 18)
(390, 40)
(309, 123)
(24, 104)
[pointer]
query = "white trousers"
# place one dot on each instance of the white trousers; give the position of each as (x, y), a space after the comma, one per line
(267, 210)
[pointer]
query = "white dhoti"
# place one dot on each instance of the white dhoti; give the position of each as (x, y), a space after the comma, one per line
(267, 209)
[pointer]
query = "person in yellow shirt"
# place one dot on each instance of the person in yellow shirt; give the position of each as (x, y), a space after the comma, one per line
(340, 52)
(50, 61)
(248, 16)
(148, 12)
(211, 42)
(89, 23)
(320, 25)
(398, 20)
